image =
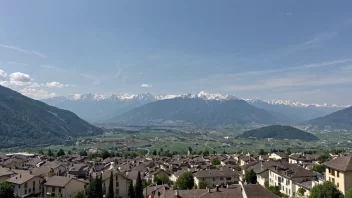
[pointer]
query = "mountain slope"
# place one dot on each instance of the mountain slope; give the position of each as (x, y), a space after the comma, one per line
(339, 120)
(297, 112)
(24, 120)
(198, 111)
(278, 132)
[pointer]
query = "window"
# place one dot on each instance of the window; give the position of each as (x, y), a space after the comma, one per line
(117, 178)
(53, 189)
(213, 179)
(117, 191)
(59, 190)
(25, 191)
(203, 179)
(337, 173)
(337, 184)
(333, 172)
(333, 180)
(117, 184)
(329, 170)
(25, 185)
(221, 178)
(228, 178)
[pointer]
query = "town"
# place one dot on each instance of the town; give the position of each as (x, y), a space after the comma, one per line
(247, 175)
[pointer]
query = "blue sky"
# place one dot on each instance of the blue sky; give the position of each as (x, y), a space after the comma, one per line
(298, 50)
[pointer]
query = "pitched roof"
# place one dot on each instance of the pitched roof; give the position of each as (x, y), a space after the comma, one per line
(258, 191)
(203, 193)
(58, 181)
(5, 172)
(340, 163)
(20, 178)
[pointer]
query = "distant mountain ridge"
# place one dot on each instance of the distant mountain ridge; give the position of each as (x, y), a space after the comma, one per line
(278, 132)
(197, 111)
(27, 121)
(103, 107)
(338, 120)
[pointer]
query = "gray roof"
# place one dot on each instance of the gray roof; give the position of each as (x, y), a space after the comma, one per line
(203, 193)
(20, 178)
(258, 191)
(5, 172)
(340, 163)
(58, 181)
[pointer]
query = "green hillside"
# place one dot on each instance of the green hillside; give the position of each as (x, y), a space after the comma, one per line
(25, 121)
(278, 132)
(338, 120)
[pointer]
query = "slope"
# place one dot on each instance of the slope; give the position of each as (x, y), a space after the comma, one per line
(278, 132)
(24, 120)
(338, 120)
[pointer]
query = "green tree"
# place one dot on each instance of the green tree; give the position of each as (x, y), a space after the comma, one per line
(161, 179)
(110, 193)
(349, 193)
(250, 177)
(80, 195)
(112, 154)
(323, 158)
(60, 153)
(301, 191)
(319, 168)
(203, 185)
(288, 151)
(266, 184)
(275, 190)
(131, 193)
(325, 190)
(6, 190)
(215, 162)
(91, 188)
(83, 153)
(69, 152)
(41, 152)
(206, 153)
(262, 152)
(50, 153)
(185, 181)
(200, 152)
(99, 187)
(139, 186)
(105, 154)
(154, 152)
(224, 152)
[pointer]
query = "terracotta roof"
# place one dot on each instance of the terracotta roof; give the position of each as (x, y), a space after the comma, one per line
(340, 163)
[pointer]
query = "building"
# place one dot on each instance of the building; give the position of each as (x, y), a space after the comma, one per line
(290, 177)
(339, 171)
(63, 186)
(278, 156)
(215, 177)
(120, 181)
(25, 185)
(5, 174)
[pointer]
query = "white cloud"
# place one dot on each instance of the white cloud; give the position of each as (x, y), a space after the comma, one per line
(31, 52)
(36, 93)
(21, 77)
(3, 75)
(146, 85)
(56, 85)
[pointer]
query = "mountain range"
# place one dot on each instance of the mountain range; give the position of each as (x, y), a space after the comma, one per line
(104, 107)
(26, 121)
(338, 120)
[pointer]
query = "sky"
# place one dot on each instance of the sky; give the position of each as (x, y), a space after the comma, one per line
(290, 50)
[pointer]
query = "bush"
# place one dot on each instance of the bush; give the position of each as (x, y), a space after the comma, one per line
(327, 189)
(215, 162)
(185, 181)
(203, 185)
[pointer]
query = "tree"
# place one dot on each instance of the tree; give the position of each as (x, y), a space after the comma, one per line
(200, 152)
(224, 152)
(203, 185)
(262, 152)
(154, 152)
(80, 195)
(6, 190)
(206, 153)
(319, 168)
(327, 189)
(215, 162)
(131, 191)
(275, 190)
(301, 191)
(112, 154)
(250, 177)
(323, 158)
(139, 186)
(185, 181)
(349, 193)
(288, 151)
(50, 153)
(266, 184)
(69, 152)
(161, 179)
(83, 153)
(60, 153)
(105, 154)
(99, 187)
(41, 152)
(90, 189)
(110, 193)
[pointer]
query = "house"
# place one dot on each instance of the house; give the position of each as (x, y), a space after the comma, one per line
(43, 172)
(290, 177)
(160, 172)
(278, 156)
(256, 191)
(262, 170)
(79, 170)
(63, 186)
(120, 181)
(25, 185)
(339, 171)
(5, 174)
(216, 177)
(13, 163)
(305, 160)
(174, 176)
(203, 193)
(246, 159)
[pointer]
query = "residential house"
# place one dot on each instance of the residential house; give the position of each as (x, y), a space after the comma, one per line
(79, 170)
(339, 171)
(120, 181)
(290, 177)
(5, 174)
(216, 177)
(63, 186)
(25, 185)
(278, 156)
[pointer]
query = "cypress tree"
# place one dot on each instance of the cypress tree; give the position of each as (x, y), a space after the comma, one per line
(139, 186)
(99, 187)
(131, 191)
(91, 188)
(110, 193)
